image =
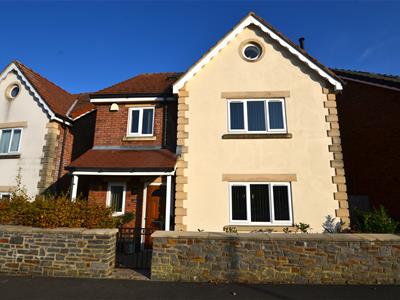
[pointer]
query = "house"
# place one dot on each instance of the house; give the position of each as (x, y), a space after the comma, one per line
(368, 110)
(131, 165)
(257, 140)
(258, 136)
(42, 127)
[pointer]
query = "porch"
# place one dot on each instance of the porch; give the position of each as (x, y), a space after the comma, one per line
(138, 185)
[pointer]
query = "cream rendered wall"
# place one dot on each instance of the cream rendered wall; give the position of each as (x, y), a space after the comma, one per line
(209, 156)
(23, 108)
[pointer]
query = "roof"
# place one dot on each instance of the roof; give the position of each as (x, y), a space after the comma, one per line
(132, 160)
(82, 106)
(55, 97)
(391, 81)
(143, 84)
(284, 41)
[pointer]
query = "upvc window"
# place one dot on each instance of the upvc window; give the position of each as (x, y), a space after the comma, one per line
(5, 195)
(260, 203)
(141, 121)
(257, 116)
(10, 140)
(116, 195)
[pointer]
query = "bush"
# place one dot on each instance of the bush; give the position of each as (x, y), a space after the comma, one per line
(376, 221)
(52, 211)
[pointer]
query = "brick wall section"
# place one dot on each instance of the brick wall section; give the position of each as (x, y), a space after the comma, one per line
(182, 163)
(111, 127)
(337, 163)
(133, 197)
(276, 258)
(57, 252)
(369, 125)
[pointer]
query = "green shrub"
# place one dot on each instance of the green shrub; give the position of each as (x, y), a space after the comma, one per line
(376, 221)
(52, 211)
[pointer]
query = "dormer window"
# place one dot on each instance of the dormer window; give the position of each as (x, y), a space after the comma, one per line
(141, 121)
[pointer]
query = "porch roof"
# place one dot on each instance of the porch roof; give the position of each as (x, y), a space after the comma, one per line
(125, 160)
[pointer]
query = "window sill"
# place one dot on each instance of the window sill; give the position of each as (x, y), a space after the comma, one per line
(232, 136)
(119, 214)
(139, 138)
(273, 228)
(10, 156)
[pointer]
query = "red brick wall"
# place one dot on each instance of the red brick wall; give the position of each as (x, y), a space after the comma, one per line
(111, 127)
(370, 132)
(134, 195)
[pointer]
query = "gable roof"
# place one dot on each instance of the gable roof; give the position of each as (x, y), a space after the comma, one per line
(383, 80)
(143, 84)
(53, 99)
(250, 19)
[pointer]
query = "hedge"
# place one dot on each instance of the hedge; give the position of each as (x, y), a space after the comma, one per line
(50, 211)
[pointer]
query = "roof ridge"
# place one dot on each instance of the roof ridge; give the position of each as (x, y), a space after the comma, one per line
(392, 77)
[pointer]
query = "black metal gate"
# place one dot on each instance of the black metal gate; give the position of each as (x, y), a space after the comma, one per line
(134, 248)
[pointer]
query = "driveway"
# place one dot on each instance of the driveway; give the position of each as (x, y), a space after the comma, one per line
(13, 287)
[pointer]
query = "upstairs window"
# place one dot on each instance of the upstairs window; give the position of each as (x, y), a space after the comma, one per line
(257, 116)
(260, 203)
(141, 121)
(10, 140)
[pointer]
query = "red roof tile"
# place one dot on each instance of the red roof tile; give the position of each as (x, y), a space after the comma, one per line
(55, 97)
(83, 106)
(125, 160)
(154, 83)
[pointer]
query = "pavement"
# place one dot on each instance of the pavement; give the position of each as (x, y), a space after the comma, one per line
(32, 288)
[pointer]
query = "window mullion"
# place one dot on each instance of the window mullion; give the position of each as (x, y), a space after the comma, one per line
(248, 201)
(140, 125)
(267, 115)
(271, 202)
(10, 141)
(245, 115)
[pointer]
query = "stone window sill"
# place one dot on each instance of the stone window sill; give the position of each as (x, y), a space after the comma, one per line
(273, 228)
(9, 156)
(139, 138)
(230, 136)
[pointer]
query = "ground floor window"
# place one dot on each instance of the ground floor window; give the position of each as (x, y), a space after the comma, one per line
(116, 197)
(261, 203)
(5, 195)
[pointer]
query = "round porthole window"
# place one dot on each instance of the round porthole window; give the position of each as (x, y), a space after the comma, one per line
(252, 51)
(13, 91)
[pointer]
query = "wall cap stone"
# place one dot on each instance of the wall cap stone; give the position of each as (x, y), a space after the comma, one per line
(345, 237)
(83, 231)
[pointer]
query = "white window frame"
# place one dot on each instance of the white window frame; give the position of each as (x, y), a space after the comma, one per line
(111, 184)
(273, 222)
(266, 110)
(9, 145)
(4, 194)
(140, 125)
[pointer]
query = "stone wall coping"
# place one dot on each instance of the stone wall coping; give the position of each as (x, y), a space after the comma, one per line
(83, 231)
(340, 237)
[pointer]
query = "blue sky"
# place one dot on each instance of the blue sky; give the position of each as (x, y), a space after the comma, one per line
(85, 46)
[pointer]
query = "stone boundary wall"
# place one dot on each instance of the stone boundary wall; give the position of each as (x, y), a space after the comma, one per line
(74, 252)
(276, 258)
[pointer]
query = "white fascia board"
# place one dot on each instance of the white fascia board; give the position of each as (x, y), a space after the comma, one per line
(51, 114)
(246, 22)
(130, 99)
(122, 173)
